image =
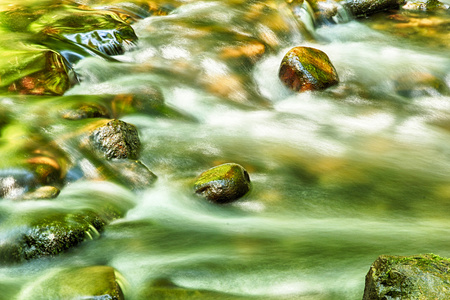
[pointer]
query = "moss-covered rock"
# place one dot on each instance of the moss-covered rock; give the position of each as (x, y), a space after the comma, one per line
(223, 184)
(117, 139)
(408, 277)
(307, 69)
(94, 282)
(51, 233)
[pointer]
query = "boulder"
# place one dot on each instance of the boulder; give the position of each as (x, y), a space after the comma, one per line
(49, 234)
(93, 282)
(362, 8)
(116, 139)
(408, 277)
(223, 184)
(307, 69)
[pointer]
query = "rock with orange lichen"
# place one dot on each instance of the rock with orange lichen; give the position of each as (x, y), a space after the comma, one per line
(307, 69)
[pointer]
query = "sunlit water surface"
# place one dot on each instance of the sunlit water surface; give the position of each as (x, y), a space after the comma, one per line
(337, 181)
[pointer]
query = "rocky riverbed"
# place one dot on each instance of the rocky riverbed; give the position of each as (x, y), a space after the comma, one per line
(223, 149)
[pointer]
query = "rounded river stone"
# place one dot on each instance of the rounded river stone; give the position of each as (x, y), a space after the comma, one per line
(223, 184)
(307, 69)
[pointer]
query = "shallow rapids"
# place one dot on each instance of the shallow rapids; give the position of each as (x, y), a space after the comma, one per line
(339, 177)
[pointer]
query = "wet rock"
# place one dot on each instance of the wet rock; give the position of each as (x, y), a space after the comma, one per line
(51, 233)
(362, 8)
(93, 282)
(43, 192)
(117, 139)
(307, 69)
(408, 277)
(223, 184)
(86, 110)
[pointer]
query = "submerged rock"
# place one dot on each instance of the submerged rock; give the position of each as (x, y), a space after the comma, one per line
(419, 84)
(408, 277)
(166, 289)
(223, 184)
(93, 282)
(307, 69)
(117, 139)
(132, 173)
(43, 192)
(86, 110)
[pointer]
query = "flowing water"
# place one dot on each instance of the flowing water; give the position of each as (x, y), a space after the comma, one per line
(339, 177)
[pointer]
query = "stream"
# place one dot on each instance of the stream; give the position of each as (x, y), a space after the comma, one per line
(338, 176)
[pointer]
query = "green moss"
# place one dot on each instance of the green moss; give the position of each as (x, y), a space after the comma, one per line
(93, 282)
(224, 183)
(57, 232)
(408, 277)
(305, 68)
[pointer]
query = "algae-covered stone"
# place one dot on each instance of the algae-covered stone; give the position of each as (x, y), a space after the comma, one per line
(223, 184)
(49, 234)
(117, 139)
(307, 69)
(93, 282)
(408, 277)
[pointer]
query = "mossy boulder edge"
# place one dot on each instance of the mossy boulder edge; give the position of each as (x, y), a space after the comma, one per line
(408, 277)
